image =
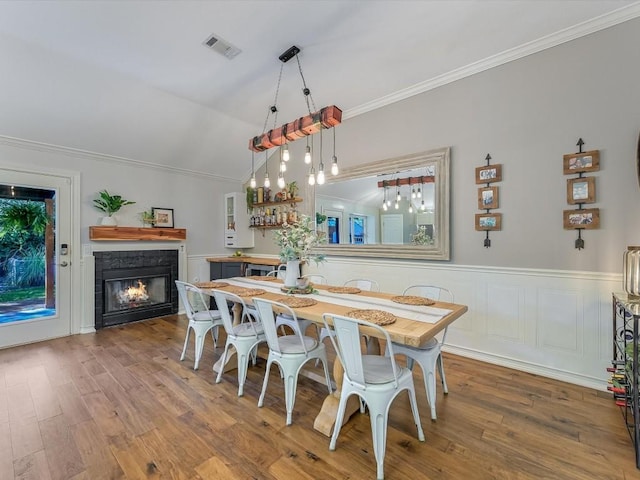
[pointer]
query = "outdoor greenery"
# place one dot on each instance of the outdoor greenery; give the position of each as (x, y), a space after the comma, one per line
(19, 294)
(22, 228)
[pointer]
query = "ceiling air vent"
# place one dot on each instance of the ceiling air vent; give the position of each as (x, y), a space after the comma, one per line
(217, 44)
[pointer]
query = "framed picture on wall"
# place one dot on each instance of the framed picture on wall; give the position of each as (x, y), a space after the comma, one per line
(489, 174)
(581, 162)
(488, 221)
(581, 190)
(587, 218)
(163, 216)
(487, 198)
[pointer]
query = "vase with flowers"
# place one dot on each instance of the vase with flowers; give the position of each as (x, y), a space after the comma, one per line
(296, 242)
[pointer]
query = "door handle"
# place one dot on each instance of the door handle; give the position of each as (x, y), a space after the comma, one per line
(64, 263)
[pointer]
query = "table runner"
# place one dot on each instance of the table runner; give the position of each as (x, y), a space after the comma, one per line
(419, 313)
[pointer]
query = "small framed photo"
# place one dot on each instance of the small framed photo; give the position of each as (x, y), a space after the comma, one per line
(581, 162)
(581, 190)
(588, 218)
(488, 221)
(489, 174)
(487, 198)
(163, 216)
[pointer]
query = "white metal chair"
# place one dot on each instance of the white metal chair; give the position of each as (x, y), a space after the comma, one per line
(201, 318)
(316, 278)
(279, 272)
(429, 354)
(289, 352)
(362, 284)
(245, 336)
(376, 379)
(301, 324)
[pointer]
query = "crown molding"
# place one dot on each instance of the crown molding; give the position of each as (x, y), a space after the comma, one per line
(602, 22)
(103, 157)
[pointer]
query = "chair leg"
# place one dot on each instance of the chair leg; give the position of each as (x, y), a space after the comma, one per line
(416, 414)
(378, 418)
(342, 405)
(214, 335)
(265, 382)
(223, 361)
(186, 344)
(243, 365)
(199, 349)
(290, 384)
(445, 389)
(326, 374)
(430, 386)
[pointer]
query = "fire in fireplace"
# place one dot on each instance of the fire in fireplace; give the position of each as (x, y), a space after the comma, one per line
(135, 285)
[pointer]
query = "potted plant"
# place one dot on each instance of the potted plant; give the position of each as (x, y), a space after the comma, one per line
(148, 218)
(296, 242)
(110, 204)
(292, 188)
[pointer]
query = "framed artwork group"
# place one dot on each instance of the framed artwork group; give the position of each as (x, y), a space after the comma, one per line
(581, 190)
(488, 198)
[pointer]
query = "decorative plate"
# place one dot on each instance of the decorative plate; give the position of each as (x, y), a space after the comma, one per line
(211, 284)
(344, 290)
(379, 317)
(297, 302)
(246, 292)
(412, 300)
(262, 278)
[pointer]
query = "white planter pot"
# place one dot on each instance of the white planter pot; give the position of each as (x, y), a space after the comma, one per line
(292, 273)
(109, 221)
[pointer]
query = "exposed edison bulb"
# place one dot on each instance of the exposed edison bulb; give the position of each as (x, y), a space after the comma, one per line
(320, 179)
(252, 182)
(281, 182)
(267, 183)
(397, 205)
(413, 192)
(410, 208)
(334, 166)
(384, 206)
(312, 177)
(283, 167)
(398, 197)
(285, 153)
(419, 194)
(388, 203)
(422, 206)
(307, 155)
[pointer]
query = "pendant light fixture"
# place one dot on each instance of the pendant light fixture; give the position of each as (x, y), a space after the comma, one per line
(334, 159)
(252, 182)
(267, 183)
(384, 199)
(315, 121)
(320, 178)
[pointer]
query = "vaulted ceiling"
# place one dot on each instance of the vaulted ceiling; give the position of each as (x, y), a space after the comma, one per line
(358, 55)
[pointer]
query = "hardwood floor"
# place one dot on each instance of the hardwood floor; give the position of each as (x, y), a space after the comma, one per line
(119, 404)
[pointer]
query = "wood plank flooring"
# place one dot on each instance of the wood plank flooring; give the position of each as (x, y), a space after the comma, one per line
(119, 404)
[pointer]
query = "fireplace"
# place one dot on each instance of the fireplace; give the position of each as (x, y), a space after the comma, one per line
(134, 285)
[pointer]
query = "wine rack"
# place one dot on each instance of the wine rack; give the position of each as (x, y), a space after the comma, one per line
(624, 366)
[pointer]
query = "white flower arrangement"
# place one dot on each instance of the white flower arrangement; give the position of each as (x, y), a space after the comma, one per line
(297, 240)
(421, 237)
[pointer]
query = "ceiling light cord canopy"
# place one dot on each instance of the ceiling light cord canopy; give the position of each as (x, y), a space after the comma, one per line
(315, 121)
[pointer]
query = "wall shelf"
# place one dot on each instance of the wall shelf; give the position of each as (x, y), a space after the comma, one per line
(101, 233)
(290, 201)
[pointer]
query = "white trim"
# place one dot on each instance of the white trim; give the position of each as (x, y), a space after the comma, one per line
(103, 157)
(503, 361)
(568, 34)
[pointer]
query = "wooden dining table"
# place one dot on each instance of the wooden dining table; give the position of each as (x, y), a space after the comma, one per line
(411, 329)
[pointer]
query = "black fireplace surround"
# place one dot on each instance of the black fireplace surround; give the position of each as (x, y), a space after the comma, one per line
(128, 268)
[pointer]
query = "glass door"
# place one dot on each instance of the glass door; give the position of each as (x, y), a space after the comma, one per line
(35, 278)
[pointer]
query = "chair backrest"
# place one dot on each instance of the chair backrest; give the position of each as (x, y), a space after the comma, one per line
(267, 316)
(346, 343)
(222, 298)
(192, 299)
(279, 272)
(316, 278)
(433, 292)
(363, 284)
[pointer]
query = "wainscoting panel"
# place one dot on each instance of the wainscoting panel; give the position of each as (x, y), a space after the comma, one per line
(548, 322)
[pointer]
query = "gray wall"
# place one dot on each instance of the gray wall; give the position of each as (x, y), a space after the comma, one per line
(526, 114)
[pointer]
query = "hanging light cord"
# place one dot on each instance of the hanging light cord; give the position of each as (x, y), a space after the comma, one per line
(274, 108)
(305, 90)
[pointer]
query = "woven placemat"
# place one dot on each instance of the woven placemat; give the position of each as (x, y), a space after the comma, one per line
(344, 290)
(263, 278)
(379, 317)
(211, 284)
(245, 292)
(296, 302)
(412, 300)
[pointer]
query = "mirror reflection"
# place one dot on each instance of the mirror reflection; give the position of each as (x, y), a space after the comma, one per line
(395, 207)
